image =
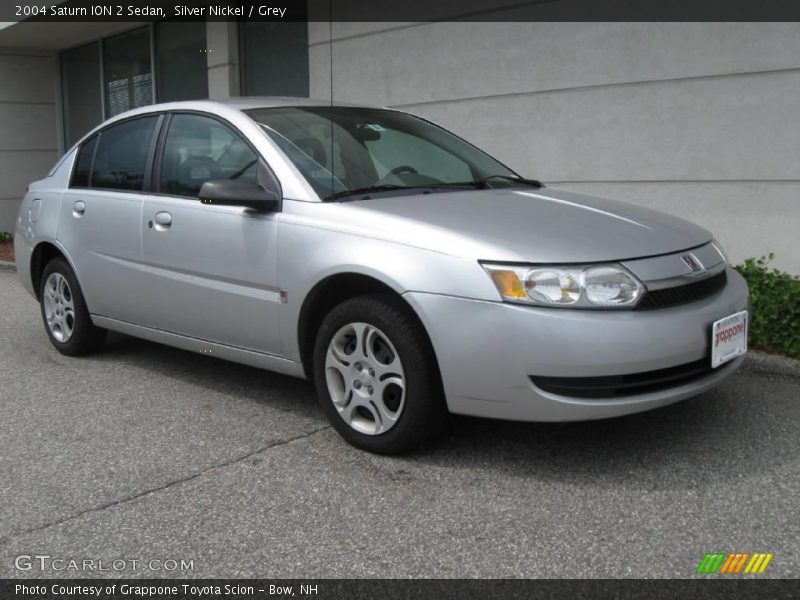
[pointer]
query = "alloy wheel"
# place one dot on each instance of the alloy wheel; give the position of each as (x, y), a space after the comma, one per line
(365, 378)
(59, 308)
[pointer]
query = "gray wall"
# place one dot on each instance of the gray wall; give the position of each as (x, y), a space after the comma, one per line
(223, 59)
(698, 119)
(28, 139)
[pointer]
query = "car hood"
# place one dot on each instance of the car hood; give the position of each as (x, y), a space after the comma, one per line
(530, 225)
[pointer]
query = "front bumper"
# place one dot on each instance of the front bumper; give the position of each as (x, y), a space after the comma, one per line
(489, 351)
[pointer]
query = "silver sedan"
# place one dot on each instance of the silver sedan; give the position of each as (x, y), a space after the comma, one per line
(405, 271)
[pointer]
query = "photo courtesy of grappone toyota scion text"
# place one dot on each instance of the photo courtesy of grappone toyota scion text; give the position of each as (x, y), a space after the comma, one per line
(405, 271)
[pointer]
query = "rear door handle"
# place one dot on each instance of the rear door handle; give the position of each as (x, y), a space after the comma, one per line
(78, 208)
(163, 220)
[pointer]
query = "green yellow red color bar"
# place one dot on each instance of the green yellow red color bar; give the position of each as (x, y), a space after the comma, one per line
(734, 563)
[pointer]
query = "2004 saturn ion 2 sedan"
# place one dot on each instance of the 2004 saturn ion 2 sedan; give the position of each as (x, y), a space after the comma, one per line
(405, 271)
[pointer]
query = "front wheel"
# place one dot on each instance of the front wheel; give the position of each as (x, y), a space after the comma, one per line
(66, 318)
(376, 375)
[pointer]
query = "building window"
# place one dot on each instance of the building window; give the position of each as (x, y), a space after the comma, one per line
(127, 72)
(105, 78)
(274, 58)
(181, 63)
(80, 85)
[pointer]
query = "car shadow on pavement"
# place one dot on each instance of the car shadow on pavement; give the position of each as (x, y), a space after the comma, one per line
(281, 392)
(720, 435)
(724, 434)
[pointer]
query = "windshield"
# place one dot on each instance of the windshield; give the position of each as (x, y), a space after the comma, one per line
(343, 150)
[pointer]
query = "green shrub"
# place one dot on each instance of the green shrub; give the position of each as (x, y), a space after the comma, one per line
(775, 306)
(5, 236)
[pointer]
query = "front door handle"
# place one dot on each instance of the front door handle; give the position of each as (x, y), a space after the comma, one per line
(163, 220)
(78, 208)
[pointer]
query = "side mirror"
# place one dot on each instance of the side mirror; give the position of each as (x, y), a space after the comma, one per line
(265, 195)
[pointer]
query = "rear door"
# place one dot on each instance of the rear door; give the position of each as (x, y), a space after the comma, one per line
(212, 267)
(101, 213)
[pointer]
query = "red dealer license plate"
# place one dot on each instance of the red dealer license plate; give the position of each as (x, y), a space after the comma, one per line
(728, 338)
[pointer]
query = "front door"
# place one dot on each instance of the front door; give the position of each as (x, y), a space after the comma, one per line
(212, 268)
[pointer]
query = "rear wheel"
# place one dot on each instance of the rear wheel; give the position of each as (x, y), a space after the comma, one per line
(376, 375)
(66, 318)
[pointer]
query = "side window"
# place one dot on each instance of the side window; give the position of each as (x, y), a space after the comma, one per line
(122, 152)
(83, 164)
(199, 149)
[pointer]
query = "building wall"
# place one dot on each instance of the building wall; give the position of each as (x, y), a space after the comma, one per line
(696, 119)
(223, 59)
(28, 138)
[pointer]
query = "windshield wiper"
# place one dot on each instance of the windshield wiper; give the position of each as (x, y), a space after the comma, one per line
(390, 187)
(484, 181)
(364, 190)
(480, 184)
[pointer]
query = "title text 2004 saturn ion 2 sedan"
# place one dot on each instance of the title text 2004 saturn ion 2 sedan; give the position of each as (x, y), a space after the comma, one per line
(404, 270)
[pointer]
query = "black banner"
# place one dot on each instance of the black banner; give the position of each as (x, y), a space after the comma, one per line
(368, 589)
(400, 10)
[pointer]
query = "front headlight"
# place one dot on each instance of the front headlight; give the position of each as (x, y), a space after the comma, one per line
(589, 286)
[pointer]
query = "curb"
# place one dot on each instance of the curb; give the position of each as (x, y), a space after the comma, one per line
(7, 266)
(771, 364)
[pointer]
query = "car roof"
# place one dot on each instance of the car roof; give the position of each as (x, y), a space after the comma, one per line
(250, 102)
(224, 105)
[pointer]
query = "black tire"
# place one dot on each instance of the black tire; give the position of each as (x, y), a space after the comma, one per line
(424, 411)
(84, 336)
